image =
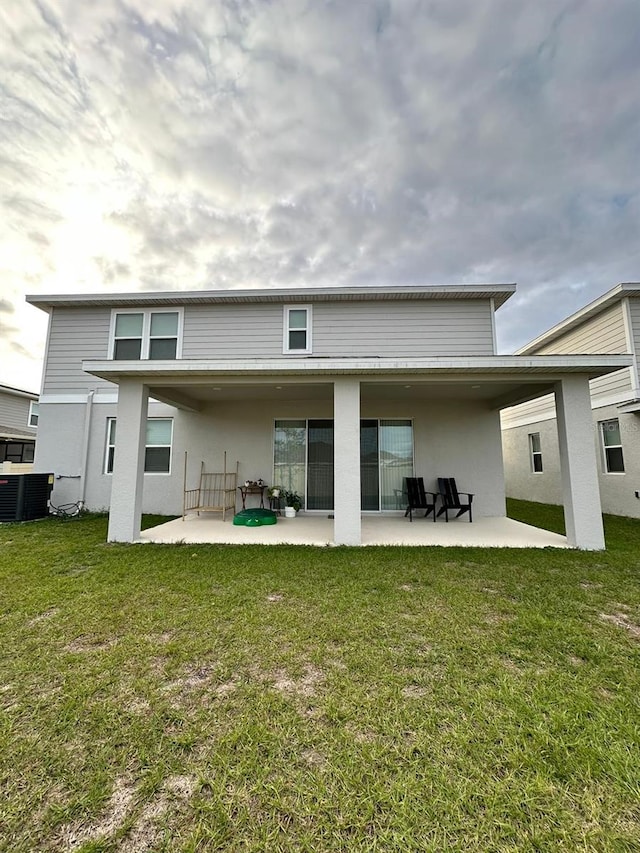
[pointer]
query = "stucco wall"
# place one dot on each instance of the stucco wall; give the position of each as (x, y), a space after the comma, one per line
(617, 491)
(521, 482)
(450, 438)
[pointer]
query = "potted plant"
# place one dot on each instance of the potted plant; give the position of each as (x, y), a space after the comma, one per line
(274, 491)
(292, 503)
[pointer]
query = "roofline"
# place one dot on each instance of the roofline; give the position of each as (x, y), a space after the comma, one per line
(15, 434)
(616, 294)
(18, 392)
(203, 370)
(498, 292)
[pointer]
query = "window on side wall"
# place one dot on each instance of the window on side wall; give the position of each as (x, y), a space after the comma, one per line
(150, 335)
(33, 414)
(157, 452)
(297, 329)
(611, 446)
(535, 452)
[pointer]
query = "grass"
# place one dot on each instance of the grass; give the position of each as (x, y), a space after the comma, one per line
(205, 698)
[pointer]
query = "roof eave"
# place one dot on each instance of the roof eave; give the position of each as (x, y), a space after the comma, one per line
(590, 366)
(498, 292)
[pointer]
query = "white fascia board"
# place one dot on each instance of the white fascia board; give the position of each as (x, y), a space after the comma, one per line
(630, 407)
(16, 435)
(534, 366)
(18, 392)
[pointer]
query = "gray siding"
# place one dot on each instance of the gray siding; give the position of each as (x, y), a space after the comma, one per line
(76, 334)
(602, 334)
(542, 408)
(616, 384)
(403, 329)
(14, 412)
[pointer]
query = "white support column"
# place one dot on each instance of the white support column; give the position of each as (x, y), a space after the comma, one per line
(346, 414)
(125, 510)
(578, 464)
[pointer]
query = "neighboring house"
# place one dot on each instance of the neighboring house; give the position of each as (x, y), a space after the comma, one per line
(18, 422)
(338, 393)
(610, 324)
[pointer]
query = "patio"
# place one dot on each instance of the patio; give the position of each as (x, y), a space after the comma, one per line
(305, 529)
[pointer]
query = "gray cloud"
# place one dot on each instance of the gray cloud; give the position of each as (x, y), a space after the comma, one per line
(188, 145)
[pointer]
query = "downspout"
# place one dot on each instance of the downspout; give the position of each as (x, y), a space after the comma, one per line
(85, 448)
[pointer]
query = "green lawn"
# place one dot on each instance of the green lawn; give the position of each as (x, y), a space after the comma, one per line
(201, 698)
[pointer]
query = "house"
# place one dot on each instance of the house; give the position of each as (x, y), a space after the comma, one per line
(337, 392)
(609, 324)
(18, 423)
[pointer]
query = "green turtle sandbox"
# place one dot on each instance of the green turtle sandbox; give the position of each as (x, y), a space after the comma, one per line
(255, 517)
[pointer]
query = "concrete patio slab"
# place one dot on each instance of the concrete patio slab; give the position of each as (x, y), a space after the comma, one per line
(376, 530)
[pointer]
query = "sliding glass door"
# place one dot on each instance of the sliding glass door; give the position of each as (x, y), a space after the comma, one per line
(290, 456)
(396, 460)
(369, 465)
(303, 461)
(320, 464)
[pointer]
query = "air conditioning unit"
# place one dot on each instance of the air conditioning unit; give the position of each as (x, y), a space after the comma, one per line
(24, 497)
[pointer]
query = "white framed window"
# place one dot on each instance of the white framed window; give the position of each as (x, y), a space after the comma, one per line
(111, 446)
(33, 414)
(297, 329)
(157, 451)
(535, 452)
(611, 446)
(147, 334)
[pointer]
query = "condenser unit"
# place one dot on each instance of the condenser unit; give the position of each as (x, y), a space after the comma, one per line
(24, 497)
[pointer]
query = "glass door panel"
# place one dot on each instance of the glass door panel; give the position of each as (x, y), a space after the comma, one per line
(369, 479)
(290, 456)
(320, 464)
(396, 460)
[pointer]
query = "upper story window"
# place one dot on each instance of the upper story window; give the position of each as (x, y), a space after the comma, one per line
(535, 452)
(33, 414)
(611, 444)
(146, 335)
(297, 329)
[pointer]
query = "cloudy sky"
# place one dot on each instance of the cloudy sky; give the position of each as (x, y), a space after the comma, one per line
(241, 143)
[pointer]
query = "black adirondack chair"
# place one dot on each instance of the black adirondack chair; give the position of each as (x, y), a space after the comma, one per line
(417, 498)
(453, 499)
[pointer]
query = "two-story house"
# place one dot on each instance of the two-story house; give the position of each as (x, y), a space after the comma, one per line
(609, 324)
(18, 427)
(337, 392)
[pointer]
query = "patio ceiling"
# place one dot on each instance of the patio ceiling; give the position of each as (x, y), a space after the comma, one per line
(486, 391)
(499, 381)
